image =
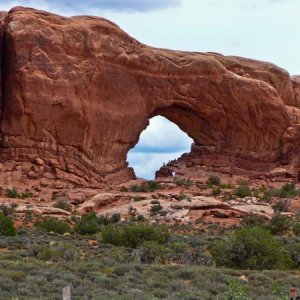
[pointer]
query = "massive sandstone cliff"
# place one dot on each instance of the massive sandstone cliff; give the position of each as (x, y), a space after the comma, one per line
(77, 92)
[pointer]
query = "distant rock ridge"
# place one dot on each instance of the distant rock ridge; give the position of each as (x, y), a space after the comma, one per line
(77, 92)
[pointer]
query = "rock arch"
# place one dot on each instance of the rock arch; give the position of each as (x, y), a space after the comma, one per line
(77, 92)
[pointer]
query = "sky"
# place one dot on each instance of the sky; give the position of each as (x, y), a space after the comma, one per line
(261, 29)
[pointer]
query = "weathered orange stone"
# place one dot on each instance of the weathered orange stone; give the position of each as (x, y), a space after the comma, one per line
(79, 91)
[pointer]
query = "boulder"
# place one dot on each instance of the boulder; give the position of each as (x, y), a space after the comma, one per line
(200, 202)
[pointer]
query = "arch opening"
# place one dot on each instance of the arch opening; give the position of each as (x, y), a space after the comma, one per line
(161, 142)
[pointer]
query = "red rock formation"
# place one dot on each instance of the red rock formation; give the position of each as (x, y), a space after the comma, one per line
(77, 93)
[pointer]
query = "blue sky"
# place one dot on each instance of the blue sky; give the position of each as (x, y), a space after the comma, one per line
(261, 29)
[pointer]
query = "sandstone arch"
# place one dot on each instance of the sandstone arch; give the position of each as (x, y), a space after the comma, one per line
(77, 92)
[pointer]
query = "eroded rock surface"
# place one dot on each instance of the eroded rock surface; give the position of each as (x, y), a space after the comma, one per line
(77, 92)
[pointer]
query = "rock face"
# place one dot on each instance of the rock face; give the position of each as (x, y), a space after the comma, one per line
(77, 93)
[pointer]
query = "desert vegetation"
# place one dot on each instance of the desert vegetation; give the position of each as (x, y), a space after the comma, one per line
(105, 258)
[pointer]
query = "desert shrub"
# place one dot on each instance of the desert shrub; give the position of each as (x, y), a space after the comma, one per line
(115, 218)
(280, 224)
(103, 220)
(183, 196)
(214, 180)
(178, 247)
(133, 235)
(52, 224)
(113, 235)
(7, 227)
(13, 193)
(186, 182)
(296, 228)
(60, 252)
(236, 291)
(251, 248)
(216, 191)
(152, 252)
(155, 209)
(243, 191)
(63, 204)
(253, 220)
(178, 252)
(8, 210)
(282, 205)
(288, 190)
(123, 189)
(229, 186)
(88, 224)
(148, 186)
(136, 235)
(270, 193)
(137, 199)
(140, 218)
(294, 250)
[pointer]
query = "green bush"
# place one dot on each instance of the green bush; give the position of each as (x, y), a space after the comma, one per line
(253, 220)
(13, 193)
(145, 187)
(251, 248)
(155, 209)
(296, 228)
(63, 204)
(236, 291)
(115, 218)
(294, 250)
(186, 182)
(153, 252)
(214, 180)
(280, 224)
(183, 196)
(55, 225)
(243, 191)
(88, 224)
(281, 206)
(113, 235)
(137, 199)
(8, 210)
(134, 235)
(288, 190)
(270, 193)
(7, 227)
(61, 252)
(216, 191)
(140, 218)
(123, 189)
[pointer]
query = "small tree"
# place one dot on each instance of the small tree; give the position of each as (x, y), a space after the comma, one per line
(214, 180)
(251, 248)
(280, 224)
(88, 224)
(55, 225)
(7, 227)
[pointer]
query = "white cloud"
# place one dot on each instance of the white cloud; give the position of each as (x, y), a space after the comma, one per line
(161, 142)
(162, 136)
(88, 5)
(145, 164)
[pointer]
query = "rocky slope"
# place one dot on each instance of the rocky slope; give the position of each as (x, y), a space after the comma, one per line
(77, 92)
